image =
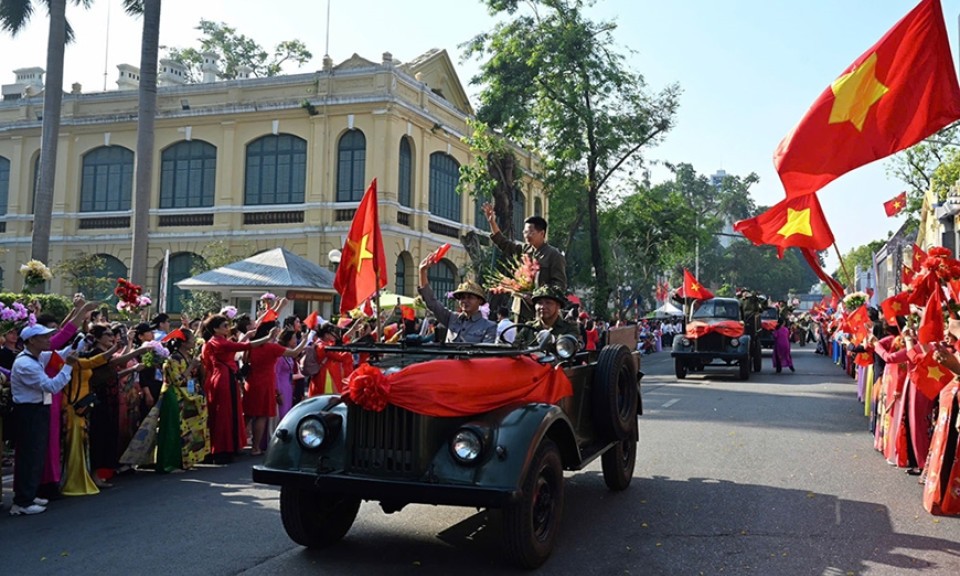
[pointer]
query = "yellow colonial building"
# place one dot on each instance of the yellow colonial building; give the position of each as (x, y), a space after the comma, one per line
(257, 163)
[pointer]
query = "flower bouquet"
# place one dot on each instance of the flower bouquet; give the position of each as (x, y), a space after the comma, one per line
(154, 357)
(516, 276)
(15, 317)
(35, 273)
(854, 300)
(130, 298)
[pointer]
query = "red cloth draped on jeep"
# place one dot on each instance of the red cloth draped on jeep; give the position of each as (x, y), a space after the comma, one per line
(458, 387)
(728, 328)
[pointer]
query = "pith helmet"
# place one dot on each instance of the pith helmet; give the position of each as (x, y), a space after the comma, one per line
(470, 287)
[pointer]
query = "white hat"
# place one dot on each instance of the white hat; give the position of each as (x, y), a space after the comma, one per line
(34, 330)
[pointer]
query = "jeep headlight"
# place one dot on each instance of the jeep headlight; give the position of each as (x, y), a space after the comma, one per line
(734, 342)
(685, 341)
(467, 445)
(567, 346)
(311, 432)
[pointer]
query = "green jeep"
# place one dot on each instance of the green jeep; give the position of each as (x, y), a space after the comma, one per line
(329, 454)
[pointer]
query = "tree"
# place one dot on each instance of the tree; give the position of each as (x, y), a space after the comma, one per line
(859, 258)
(236, 51)
(491, 175)
(553, 82)
(87, 275)
(197, 304)
(14, 16)
(146, 117)
(919, 168)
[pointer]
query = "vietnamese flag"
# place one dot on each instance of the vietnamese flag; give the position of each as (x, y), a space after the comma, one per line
(312, 320)
(895, 205)
(797, 221)
(693, 289)
(408, 313)
(931, 323)
(928, 375)
(363, 267)
(856, 319)
(901, 90)
(918, 258)
(895, 306)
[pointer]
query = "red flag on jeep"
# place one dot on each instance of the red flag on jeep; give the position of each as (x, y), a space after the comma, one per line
(363, 266)
(693, 289)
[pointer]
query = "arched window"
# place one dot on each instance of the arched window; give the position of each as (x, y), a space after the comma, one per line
(4, 184)
(442, 279)
(405, 185)
(181, 268)
(110, 268)
(351, 165)
(519, 213)
(188, 173)
(400, 280)
(537, 207)
(444, 176)
(479, 218)
(276, 170)
(107, 179)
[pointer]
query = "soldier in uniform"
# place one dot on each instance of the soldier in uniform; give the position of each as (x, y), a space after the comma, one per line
(467, 324)
(548, 301)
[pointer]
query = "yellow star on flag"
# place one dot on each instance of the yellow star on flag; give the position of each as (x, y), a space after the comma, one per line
(694, 287)
(897, 204)
(798, 222)
(935, 373)
(855, 93)
(359, 252)
(896, 306)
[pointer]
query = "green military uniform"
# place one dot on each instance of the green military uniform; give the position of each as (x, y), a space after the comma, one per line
(560, 326)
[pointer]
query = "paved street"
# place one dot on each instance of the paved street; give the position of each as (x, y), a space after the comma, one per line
(774, 476)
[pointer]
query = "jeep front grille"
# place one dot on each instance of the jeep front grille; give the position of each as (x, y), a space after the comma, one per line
(383, 442)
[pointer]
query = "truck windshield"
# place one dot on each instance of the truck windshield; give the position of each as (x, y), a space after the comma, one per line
(717, 309)
(770, 314)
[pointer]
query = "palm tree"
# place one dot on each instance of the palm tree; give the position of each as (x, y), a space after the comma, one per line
(14, 16)
(146, 114)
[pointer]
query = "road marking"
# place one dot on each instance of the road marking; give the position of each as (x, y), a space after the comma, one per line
(836, 510)
(670, 403)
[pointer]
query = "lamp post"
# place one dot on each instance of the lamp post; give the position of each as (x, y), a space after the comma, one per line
(334, 257)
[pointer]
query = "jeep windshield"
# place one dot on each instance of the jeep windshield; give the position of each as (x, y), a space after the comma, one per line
(770, 314)
(726, 310)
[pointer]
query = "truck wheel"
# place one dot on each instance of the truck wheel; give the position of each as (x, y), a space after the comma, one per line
(614, 393)
(744, 365)
(315, 519)
(618, 464)
(531, 525)
(681, 369)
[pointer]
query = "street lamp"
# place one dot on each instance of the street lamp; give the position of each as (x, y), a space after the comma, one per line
(334, 256)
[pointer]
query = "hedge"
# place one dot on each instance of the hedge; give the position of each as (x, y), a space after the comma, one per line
(54, 304)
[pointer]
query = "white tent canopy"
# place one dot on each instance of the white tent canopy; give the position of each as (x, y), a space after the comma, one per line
(667, 309)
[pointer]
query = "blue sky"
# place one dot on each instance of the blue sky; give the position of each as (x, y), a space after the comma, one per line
(749, 69)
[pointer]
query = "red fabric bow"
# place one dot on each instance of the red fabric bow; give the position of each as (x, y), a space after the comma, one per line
(368, 388)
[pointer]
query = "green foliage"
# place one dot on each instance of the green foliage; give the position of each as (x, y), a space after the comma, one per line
(235, 51)
(860, 257)
(919, 167)
(87, 273)
(53, 304)
(553, 81)
(491, 176)
(196, 303)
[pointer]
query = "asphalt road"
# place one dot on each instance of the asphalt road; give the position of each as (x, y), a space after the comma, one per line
(774, 476)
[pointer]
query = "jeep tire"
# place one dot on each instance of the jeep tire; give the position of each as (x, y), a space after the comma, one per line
(618, 464)
(680, 368)
(614, 395)
(315, 519)
(531, 524)
(744, 365)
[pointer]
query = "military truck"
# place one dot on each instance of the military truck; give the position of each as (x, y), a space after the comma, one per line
(715, 336)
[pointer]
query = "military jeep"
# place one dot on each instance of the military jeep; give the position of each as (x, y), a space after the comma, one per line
(714, 337)
(329, 454)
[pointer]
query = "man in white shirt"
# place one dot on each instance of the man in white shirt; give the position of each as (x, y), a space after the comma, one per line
(32, 392)
(503, 322)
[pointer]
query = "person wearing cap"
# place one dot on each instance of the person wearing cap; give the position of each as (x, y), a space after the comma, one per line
(548, 301)
(32, 395)
(468, 325)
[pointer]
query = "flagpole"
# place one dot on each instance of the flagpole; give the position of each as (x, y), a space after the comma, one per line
(844, 268)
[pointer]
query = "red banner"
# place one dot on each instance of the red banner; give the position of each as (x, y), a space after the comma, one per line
(729, 328)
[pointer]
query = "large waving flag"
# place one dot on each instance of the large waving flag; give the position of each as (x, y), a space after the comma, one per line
(898, 92)
(797, 221)
(363, 267)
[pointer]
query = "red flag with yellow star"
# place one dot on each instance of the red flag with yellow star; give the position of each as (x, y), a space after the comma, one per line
(693, 289)
(895, 205)
(898, 92)
(895, 306)
(928, 375)
(363, 267)
(797, 221)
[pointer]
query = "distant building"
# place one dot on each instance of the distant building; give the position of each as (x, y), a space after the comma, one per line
(256, 162)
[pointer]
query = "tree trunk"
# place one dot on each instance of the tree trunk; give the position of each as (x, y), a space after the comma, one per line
(50, 132)
(599, 268)
(146, 114)
(502, 169)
